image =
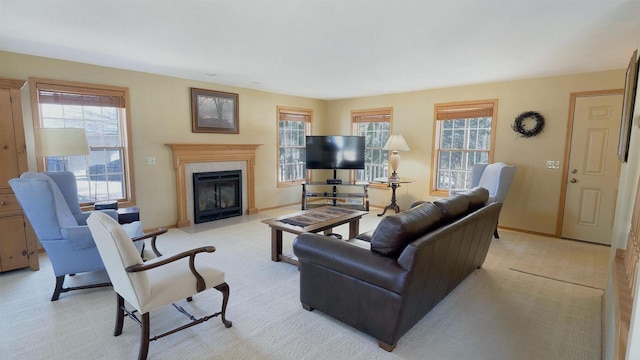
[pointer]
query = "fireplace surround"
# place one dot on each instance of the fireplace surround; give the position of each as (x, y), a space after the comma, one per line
(210, 155)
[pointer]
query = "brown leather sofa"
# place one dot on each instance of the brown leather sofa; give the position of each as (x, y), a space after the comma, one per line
(383, 282)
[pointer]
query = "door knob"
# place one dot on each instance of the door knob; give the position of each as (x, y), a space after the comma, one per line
(573, 180)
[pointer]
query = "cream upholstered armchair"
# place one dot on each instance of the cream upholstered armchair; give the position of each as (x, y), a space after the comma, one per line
(159, 282)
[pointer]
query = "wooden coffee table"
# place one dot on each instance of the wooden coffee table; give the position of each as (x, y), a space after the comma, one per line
(352, 217)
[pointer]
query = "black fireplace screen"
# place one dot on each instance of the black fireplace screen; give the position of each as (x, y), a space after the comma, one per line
(217, 195)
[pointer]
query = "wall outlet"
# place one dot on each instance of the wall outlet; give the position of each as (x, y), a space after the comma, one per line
(151, 160)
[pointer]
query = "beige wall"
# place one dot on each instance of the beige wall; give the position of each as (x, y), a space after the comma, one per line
(532, 203)
(161, 114)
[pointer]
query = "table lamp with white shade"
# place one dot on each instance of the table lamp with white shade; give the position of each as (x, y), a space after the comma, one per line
(61, 142)
(394, 144)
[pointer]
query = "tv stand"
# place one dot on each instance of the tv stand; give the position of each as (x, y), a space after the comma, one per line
(336, 195)
(334, 180)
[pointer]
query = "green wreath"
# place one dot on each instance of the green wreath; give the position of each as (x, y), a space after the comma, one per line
(518, 124)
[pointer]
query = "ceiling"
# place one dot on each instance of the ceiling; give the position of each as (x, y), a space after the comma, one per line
(330, 49)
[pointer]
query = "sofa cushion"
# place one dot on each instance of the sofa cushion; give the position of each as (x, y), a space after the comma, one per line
(395, 232)
(477, 197)
(453, 207)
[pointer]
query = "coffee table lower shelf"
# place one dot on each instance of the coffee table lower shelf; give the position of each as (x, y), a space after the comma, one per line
(326, 226)
(289, 258)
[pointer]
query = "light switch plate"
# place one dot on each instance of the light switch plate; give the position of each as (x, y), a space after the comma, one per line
(553, 164)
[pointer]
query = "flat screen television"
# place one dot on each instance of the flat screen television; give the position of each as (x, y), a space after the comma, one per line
(335, 152)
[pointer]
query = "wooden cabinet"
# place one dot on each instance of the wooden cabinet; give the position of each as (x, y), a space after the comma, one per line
(18, 244)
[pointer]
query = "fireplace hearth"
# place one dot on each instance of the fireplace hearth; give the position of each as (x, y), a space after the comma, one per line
(217, 195)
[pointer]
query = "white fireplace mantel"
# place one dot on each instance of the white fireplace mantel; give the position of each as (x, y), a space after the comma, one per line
(202, 153)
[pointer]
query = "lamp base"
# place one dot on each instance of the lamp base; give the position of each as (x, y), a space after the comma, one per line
(394, 161)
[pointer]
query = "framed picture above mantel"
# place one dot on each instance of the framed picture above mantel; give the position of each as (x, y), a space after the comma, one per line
(214, 112)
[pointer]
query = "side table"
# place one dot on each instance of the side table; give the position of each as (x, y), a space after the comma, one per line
(128, 215)
(393, 185)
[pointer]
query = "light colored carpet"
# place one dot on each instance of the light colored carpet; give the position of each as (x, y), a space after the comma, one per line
(570, 261)
(496, 313)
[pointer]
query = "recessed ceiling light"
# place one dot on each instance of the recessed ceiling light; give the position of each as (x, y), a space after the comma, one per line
(211, 74)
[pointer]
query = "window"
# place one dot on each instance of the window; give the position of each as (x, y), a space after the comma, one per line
(375, 126)
(102, 112)
(293, 127)
(464, 135)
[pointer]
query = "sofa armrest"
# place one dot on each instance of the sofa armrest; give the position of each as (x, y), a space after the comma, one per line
(350, 260)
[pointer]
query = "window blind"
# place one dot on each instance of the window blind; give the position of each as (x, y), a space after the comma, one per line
(66, 98)
(371, 116)
(291, 116)
(450, 112)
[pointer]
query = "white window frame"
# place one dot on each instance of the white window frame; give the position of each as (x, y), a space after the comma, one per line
(305, 118)
(124, 130)
(375, 157)
(466, 114)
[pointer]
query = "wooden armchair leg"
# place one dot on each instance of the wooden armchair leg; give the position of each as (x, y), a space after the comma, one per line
(224, 289)
(119, 315)
(58, 289)
(144, 337)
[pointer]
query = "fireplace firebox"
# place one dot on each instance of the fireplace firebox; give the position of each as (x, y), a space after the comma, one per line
(217, 195)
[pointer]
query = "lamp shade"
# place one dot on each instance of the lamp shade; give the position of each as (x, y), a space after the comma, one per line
(396, 143)
(61, 142)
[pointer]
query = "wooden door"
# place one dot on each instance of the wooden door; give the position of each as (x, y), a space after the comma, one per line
(593, 169)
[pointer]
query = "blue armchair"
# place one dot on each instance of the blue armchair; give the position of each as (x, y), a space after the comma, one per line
(495, 177)
(50, 202)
